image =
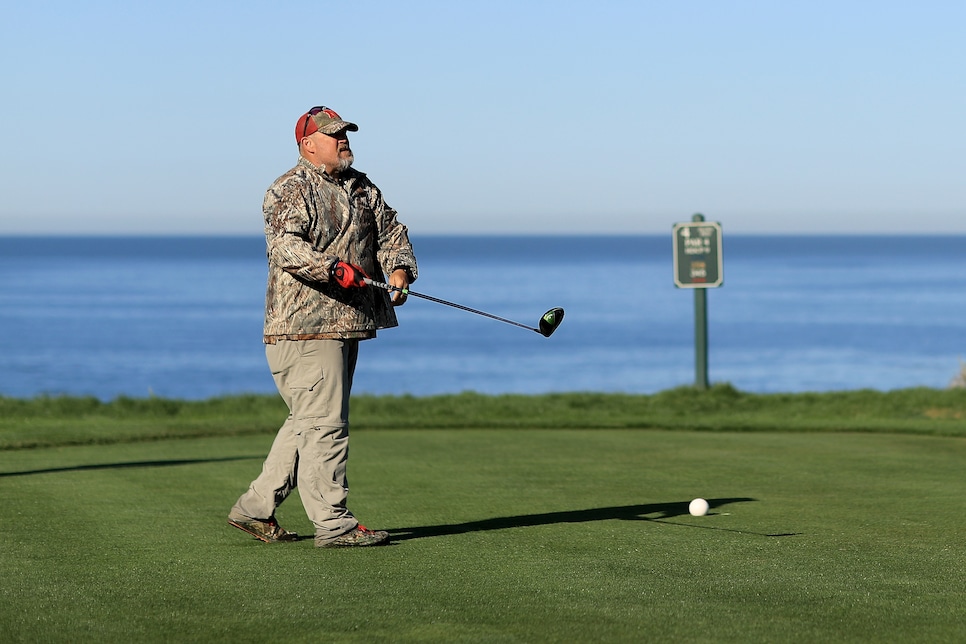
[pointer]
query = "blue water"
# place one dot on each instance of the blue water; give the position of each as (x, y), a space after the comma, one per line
(181, 317)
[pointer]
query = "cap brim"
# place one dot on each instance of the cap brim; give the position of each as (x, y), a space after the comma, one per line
(338, 126)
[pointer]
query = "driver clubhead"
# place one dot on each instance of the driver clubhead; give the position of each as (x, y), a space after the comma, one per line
(550, 321)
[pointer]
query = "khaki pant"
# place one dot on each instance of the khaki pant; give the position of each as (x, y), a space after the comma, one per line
(311, 449)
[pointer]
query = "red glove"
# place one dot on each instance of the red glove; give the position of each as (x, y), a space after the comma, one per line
(348, 275)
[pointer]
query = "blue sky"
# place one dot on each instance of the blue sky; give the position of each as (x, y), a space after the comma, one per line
(493, 117)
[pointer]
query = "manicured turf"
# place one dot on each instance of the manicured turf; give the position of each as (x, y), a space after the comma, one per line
(499, 536)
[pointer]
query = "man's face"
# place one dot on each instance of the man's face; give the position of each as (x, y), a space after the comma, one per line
(333, 150)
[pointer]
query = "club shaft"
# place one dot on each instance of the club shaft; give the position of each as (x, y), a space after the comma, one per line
(406, 291)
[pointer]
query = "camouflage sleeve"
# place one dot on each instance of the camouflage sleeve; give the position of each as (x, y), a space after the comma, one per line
(286, 233)
(395, 249)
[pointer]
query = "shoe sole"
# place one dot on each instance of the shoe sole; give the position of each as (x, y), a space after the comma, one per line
(257, 535)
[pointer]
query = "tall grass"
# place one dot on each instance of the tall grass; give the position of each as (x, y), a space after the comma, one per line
(50, 421)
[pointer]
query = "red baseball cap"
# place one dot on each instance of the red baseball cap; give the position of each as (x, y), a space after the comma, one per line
(321, 119)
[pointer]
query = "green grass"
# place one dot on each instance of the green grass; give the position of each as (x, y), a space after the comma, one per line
(838, 531)
(53, 421)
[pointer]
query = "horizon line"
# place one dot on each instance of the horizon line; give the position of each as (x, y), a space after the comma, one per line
(259, 235)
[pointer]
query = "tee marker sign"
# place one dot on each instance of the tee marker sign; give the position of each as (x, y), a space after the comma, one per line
(697, 255)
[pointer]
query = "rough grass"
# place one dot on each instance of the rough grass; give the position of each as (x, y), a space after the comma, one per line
(50, 421)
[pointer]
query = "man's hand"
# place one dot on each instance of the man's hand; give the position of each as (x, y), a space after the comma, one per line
(348, 275)
(399, 279)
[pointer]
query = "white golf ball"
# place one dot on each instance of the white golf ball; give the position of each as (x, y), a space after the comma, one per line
(698, 507)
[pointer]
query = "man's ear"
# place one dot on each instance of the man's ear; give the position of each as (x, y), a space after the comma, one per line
(307, 147)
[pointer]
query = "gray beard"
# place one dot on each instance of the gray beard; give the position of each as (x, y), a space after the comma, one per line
(344, 164)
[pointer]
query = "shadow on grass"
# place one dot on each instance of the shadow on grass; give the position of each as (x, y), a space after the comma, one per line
(119, 466)
(657, 512)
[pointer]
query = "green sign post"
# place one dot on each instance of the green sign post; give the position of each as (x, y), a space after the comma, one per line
(698, 265)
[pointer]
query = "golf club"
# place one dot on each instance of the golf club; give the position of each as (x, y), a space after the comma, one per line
(548, 323)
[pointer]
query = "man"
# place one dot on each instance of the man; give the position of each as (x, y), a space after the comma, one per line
(327, 228)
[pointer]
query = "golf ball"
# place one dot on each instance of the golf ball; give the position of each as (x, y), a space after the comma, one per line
(698, 507)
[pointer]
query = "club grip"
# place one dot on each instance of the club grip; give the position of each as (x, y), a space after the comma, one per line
(383, 285)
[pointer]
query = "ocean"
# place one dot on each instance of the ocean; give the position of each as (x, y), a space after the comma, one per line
(181, 317)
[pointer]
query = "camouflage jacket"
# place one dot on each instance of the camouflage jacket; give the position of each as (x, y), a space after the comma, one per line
(312, 220)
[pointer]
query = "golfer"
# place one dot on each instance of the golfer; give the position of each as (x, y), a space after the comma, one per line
(327, 228)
